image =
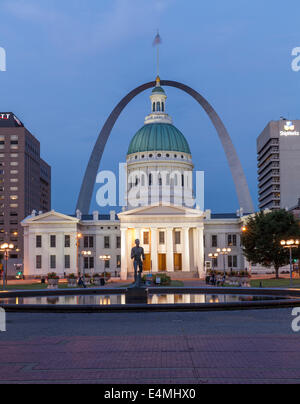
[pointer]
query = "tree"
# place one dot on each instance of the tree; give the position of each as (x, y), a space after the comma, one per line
(262, 236)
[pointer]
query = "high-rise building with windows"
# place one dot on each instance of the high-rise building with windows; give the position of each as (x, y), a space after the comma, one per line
(278, 150)
(25, 181)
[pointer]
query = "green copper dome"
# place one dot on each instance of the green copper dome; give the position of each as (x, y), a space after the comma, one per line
(159, 90)
(159, 136)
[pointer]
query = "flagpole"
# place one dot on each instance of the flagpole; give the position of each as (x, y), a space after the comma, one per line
(158, 59)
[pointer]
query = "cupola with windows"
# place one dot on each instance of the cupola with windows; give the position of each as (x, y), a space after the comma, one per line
(159, 156)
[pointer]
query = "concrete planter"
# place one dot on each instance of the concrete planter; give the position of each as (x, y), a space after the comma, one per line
(53, 283)
(88, 281)
(72, 283)
(237, 281)
(97, 282)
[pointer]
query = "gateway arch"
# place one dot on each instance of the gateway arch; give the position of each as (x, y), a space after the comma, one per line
(241, 185)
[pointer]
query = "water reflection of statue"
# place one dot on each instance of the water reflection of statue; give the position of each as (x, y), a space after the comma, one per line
(138, 256)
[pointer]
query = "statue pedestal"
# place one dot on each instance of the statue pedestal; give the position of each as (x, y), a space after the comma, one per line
(136, 295)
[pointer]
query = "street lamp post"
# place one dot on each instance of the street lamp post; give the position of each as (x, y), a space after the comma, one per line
(224, 252)
(104, 258)
(213, 257)
(6, 247)
(85, 254)
(290, 244)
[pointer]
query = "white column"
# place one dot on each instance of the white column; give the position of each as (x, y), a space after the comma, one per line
(200, 253)
(170, 250)
(124, 254)
(154, 257)
(195, 248)
(186, 251)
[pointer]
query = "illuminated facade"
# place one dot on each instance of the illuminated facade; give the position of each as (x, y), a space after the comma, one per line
(176, 237)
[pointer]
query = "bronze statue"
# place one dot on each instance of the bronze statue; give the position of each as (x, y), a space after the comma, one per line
(138, 256)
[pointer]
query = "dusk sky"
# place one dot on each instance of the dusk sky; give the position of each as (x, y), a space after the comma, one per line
(70, 62)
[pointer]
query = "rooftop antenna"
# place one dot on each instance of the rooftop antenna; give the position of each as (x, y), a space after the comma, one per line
(157, 41)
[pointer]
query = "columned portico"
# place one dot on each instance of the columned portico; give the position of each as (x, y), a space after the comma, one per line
(180, 256)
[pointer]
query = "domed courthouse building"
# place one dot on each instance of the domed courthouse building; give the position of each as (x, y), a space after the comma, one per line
(177, 236)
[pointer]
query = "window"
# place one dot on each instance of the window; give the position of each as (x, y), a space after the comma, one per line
(158, 106)
(161, 237)
(88, 242)
(232, 240)
(118, 261)
(67, 262)
(14, 163)
(214, 241)
(106, 242)
(52, 241)
(13, 205)
(177, 237)
(38, 241)
(38, 262)
(88, 262)
(67, 241)
(14, 197)
(146, 238)
(53, 261)
(13, 172)
(14, 188)
(232, 261)
(118, 242)
(107, 264)
(14, 180)
(215, 262)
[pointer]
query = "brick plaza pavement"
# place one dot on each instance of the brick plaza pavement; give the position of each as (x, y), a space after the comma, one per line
(173, 348)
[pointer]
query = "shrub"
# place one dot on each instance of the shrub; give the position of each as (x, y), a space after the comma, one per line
(165, 280)
(52, 275)
(71, 276)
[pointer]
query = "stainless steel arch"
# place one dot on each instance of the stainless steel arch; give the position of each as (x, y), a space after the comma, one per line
(241, 185)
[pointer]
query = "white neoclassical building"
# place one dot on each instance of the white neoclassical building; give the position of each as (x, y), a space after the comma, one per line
(177, 236)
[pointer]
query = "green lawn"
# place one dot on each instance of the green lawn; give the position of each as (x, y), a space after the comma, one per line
(33, 286)
(275, 283)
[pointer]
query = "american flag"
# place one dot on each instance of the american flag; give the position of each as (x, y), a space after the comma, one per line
(157, 40)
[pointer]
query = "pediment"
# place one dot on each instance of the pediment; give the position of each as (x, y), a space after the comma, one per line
(51, 217)
(161, 210)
